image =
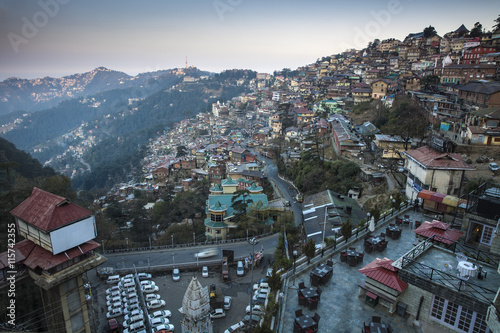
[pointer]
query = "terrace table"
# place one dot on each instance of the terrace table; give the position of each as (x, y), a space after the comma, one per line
(374, 240)
(378, 328)
(323, 272)
(309, 293)
(393, 231)
(305, 322)
(466, 268)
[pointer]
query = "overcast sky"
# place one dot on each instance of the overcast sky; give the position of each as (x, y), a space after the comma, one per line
(62, 37)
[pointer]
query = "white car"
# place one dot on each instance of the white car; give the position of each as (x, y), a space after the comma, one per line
(114, 300)
(114, 294)
(115, 312)
(165, 327)
(129, 296)
(217, 314)
(161, 314)
(132, 320)
(227, 302)
(160, 321)
(257, 309)
(136, 312)
(150, 289)
(204, 271)
(144, 276)
(176, 275)
(128, 291)
(131, 308)
(206, 253)
(151, 297)
(155, 304)
(239, 325)
(147, 283)
(112, 290)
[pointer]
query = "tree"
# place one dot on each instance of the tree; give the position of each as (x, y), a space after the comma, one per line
(346, 229)
(496, 27)
(309, 249)
(240, 201)
(430, 82)
(429, 32)
(275, 281)
(477, 30)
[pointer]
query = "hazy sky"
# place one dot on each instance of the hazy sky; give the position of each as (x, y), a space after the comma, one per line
(62, 37)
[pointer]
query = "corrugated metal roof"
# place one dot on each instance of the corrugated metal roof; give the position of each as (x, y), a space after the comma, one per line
(381, 270)
(44, 259)
(22, 250)
(433, 159)
(48, 211)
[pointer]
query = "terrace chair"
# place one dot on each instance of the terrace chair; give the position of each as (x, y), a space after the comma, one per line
(297, 328)
(298, 313)
(382, 235)
(352, 248)
(319, 291)
(329, 263)
(313, 304)
(460, 256)
(368, 249)
(302, 300)
(343, 256)
(316, 317)
(302, 285)
(353, 261)
(366, 328)
(360, 257)
(390, 329)
(376, 319)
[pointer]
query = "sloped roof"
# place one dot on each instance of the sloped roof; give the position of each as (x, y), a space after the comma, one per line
(21, 249)
(44, 259)
(486, 88)
(433, 159)
(48, 211)
(381, 270)
(429, 229)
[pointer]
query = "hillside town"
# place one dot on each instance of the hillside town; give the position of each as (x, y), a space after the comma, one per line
(410, 245)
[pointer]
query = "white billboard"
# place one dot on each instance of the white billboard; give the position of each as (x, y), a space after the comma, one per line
(72, 235)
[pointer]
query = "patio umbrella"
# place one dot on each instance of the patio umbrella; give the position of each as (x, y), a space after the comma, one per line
(371, 227)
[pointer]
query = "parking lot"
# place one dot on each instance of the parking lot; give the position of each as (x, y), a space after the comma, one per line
(173, 293)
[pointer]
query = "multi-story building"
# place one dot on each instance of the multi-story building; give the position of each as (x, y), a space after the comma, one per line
(433, 170)
(57, 252)
(473, 55)
(463, 73)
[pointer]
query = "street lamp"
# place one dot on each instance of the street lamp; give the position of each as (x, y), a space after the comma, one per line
(295, 255)
(127, 242)
(253, 241)
(172, 240)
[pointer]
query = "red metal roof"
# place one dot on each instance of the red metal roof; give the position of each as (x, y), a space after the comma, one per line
(48, 211)
(22, 251)
(425, 194)
(45, 260)
(438, 197)
(429, 229)
(433, 159)
(381, 270)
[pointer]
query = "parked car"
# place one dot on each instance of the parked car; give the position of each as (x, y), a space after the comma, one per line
(131, 308)
(176, 275)
(128, 291)
(161, 314)
(240, 269)
(147, 283)
(113, 326)
(160, 321)
(155, 304)
(236, 327)
(164, 328)
(112, 290)
(217, 314)
(114, 312)
(133, 320)
(144, 276)
(493, 166)
(204, 271)
(257, 309)
(206, 253)
(255, 318)
(112, 295)
(136, 312)
(227, 302)
(114, 300)
(150, 289)
(151, 297)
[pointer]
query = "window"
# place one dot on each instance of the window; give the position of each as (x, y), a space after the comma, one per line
(457, 317)
(487, 235)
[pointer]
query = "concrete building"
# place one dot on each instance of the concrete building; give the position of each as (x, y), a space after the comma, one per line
(57, 252)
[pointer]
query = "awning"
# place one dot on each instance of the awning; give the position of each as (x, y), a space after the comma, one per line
(450, 200)
(425, 194)
(438, 197)
(371, 295)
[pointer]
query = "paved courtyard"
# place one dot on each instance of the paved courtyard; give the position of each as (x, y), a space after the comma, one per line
(340, 308)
